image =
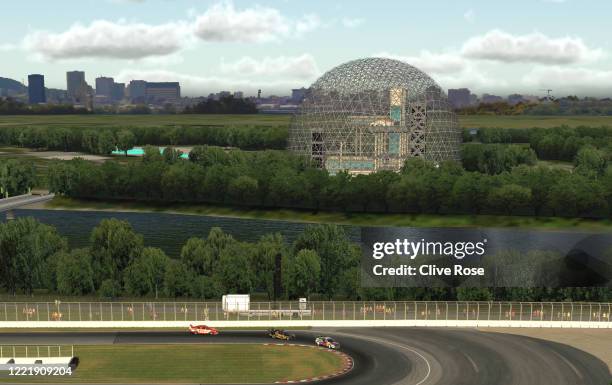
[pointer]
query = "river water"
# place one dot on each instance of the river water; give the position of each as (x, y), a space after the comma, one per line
(167, 231)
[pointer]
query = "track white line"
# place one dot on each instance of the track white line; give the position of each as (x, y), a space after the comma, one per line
(471, 361)
(387, 342)
(568, 363)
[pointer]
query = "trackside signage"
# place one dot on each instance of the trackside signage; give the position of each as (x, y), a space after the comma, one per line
(462, 257)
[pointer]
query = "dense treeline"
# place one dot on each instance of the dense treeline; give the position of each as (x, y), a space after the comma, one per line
(558, 143)
(496, 108)
(16, 177)
(10, 106)
(225, 105)
(570, 105)
(103, 141)
(277, 179)
(495, 158)
(320, 264)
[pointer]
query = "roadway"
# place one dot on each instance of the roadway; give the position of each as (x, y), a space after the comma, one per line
(385, 356)
(17, 201)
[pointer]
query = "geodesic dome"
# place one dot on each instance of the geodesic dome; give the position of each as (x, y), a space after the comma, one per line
(371, 114)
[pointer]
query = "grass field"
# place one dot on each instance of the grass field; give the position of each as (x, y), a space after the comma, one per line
(191, 363)
(522, 121)
(528, 121)
(374, 219)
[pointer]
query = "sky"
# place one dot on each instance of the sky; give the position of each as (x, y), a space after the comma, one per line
(489, 46)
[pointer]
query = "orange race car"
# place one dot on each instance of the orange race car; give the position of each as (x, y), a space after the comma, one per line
(203, 329)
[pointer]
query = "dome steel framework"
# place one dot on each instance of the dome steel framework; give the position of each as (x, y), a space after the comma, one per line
(371, 114)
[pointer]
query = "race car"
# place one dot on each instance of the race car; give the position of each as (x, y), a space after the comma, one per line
(203, 329)
(327, 342)
(278, 334)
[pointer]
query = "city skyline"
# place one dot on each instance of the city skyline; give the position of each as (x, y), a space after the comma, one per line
(275, 46)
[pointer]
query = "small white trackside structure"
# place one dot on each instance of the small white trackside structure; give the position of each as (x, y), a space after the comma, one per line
(234, 303)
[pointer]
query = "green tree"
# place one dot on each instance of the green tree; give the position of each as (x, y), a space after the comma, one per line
(125, 140)
(152, 154)
(89, 141)
(146, 273)
(25, 246)
(242, 190)
(335, 251)
(509, 197)
(198, 257)
(109, 288)
(303, 274)
(206, 287)
(74, 273)
(590, 161)
(16, 177)
(107, 143)
(470, 192)
(114, 244)
(266, 254)
(234, 272)
(177, 280)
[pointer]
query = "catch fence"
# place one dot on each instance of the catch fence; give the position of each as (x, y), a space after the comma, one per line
(59, 311)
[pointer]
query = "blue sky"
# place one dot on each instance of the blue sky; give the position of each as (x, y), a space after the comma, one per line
(497, 47)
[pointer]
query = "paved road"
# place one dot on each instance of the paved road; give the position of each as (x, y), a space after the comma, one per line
(400, 355)
(22, 200)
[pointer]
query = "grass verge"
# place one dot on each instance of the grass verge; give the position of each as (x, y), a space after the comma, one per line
(195, 363)
(136, 329)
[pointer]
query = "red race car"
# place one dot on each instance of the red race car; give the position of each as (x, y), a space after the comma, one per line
(203, 329)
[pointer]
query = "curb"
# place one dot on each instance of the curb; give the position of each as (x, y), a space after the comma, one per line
(347, 365)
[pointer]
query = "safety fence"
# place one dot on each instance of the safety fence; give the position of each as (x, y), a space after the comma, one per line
(310, 311)
(36, 351)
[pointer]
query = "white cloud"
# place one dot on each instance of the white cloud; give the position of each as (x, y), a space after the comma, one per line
(352, 22)
(224, 23)
(105, 39)
(297, 67)
(221, 22)
(469, 16)
(429, 62)
(307, 23)
(451, 70)
(563, 81)
(477, 79)
(193, 85)
(532, 48)
(7, 47)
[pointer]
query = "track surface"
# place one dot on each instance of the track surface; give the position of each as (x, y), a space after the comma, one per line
(399, 355)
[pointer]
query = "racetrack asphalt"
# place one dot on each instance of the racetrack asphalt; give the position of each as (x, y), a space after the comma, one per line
(385, 356)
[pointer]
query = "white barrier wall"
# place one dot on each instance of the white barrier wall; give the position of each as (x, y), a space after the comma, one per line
(308, 323)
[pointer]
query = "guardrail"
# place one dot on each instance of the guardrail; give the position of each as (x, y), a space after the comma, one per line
(354, 311)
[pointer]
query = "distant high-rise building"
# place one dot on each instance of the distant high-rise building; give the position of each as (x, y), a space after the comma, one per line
(488, 99)
(36, 89)
(258, 94)
(238, 94)
(298, 94)
(104, 86)
(118, 92)
(163, 92)
(77, 86)
(515, 99)
(137, 91)
(459, 98)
